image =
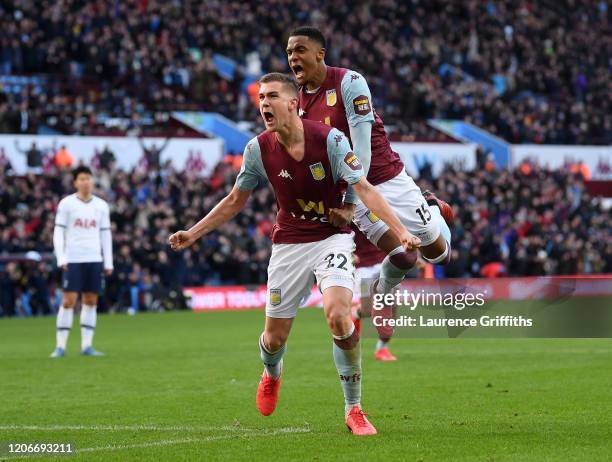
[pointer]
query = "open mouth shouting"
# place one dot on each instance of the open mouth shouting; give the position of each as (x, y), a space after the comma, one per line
(268, 117)
(298, 71)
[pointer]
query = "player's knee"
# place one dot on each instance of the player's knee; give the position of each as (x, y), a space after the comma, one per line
(90, 299)
(274, 341)
(338, 318)
(69, 300)
(404, 260)
(438, 257)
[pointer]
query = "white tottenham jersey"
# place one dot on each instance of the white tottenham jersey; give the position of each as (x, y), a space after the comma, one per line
(83, 231)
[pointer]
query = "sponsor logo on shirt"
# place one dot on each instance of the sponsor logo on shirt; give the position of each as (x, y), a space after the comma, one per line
(318, 207)
(330, 96)
(309, 207)
(84, 223)
(352, 161)
(362, 105)
(317, 170)
(373, 218)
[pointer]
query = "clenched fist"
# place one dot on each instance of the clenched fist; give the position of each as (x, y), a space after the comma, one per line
(181, 240)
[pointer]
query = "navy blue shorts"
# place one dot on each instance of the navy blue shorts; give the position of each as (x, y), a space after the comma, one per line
(83, 277)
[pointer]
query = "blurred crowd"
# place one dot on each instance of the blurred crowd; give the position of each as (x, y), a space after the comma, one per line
(527, 71)
(524, 222)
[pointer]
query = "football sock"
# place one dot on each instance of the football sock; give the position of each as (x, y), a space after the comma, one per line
(273, 362)
(394, 268)
(63, 323)
(380, 344)
(444, 229)
(347, 356)
(88, 324)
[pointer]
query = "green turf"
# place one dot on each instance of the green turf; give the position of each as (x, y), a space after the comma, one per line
(181, 386)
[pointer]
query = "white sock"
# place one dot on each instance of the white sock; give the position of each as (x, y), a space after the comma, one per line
(63, 323)
(88, 324)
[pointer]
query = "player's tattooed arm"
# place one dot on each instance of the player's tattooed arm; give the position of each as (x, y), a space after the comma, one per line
(224, 211)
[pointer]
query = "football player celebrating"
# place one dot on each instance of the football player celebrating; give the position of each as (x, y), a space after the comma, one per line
(308, 165)
(341, 98)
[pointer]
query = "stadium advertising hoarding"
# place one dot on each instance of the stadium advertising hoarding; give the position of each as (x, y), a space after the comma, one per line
(518, 288)
(416, 155)
(198, 155)
(502, 307)
(597, 158)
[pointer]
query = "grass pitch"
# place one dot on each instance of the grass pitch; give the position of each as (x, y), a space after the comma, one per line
(181, 386)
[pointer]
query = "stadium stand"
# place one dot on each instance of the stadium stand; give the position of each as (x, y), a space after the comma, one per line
(518, 223)
(527, 71)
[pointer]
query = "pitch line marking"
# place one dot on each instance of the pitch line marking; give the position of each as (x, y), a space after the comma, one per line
(110, 447)
(117, 428)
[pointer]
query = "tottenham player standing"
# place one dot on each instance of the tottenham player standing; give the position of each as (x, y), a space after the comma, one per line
(84, 249)
(341, 98)
(308, 165)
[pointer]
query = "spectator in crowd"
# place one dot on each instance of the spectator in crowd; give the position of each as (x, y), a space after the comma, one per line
(107, 158)
(63, 160)
(34, 157)
(153, 154)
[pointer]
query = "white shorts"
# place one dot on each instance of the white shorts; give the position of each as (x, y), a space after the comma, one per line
(364, 277)
(406, 200)
(294, 268)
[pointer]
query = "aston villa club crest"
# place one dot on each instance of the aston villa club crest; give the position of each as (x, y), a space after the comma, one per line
(317, 170)
(275, 297)
(331, 97)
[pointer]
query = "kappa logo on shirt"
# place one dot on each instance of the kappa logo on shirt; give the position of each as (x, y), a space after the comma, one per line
(285, 174)
(301, 112)
(337, 139)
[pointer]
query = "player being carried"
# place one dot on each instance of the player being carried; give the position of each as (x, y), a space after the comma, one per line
(84, 248)
(341, 98)
(308, 165)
